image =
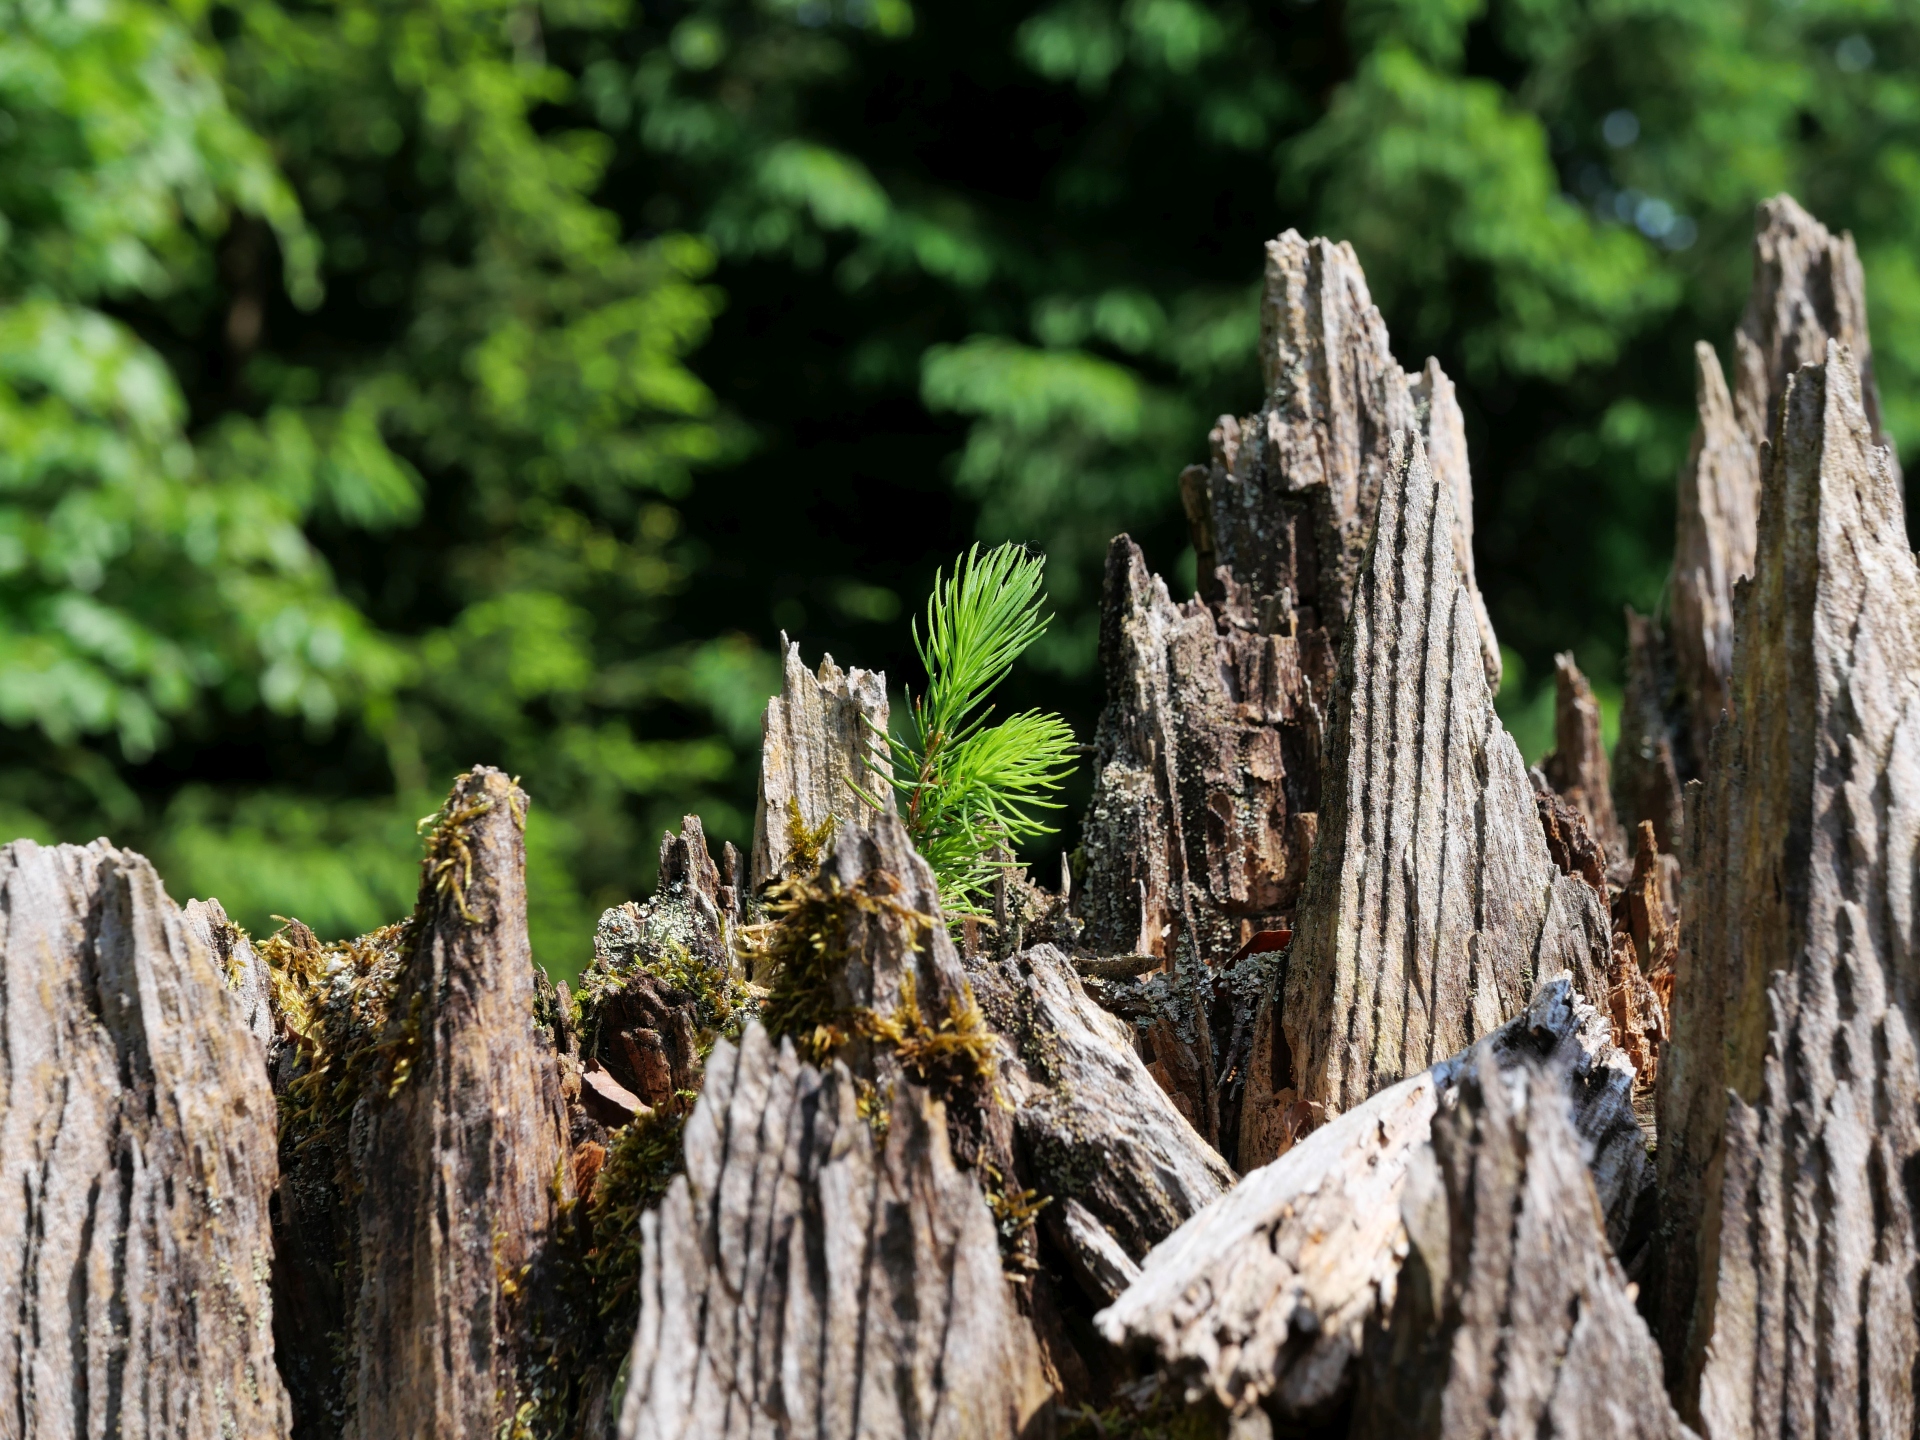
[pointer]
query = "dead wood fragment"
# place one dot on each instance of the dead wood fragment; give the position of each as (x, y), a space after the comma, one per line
(1712, 544)
(136, 1140)
(823, 750)
(1093, 1127)
(1262, 1299)
(801, 1278)
(1512, 1316)
(458, 1152)
(1432, 902)
(1789, 1094)
(1651, 757)
(1577, 766)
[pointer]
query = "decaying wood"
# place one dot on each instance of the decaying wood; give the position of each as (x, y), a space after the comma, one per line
(1713, 542)
(1577, 766)
(1648, 756)
(1790, 1105)
(643, 1028)
(1432, 902)
(137, 1143)
(823, 749)
(1093, 1126)
(1807, 289)
(458, 1156)
(1512, 1316)
(802, 1279)
(1207, 782)
(1263, 1299)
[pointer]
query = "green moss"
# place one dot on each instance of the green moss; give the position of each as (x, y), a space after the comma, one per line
(723, 1003)
(805, 843)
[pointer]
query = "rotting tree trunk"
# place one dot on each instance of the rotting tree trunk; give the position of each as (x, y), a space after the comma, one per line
(1789, 1095)
(1512, 1316)
(1433, 904)
(137, 1142)
(458, 1153)
(1263, 1300)
(1207, 783)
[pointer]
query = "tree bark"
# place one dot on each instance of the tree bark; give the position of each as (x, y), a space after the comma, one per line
(1262, 1300)
(1789, 1094)
(137, 1144)
(801, 1279)
(1432, 903)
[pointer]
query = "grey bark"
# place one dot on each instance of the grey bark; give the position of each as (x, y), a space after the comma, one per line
(458, 1159)
(1789, 1094)
(137, 1146)
(1512, 1316)
(802, 1280)
(1432, 903)
(1263, 1299)
(822, 744)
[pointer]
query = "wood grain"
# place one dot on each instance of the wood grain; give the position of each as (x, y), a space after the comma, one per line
(137, 1146)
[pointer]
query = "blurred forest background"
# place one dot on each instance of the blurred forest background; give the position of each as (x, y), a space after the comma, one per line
(388, 387)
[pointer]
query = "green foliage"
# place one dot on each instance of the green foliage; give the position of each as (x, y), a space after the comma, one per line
(350, 431)
(341, 433)
(971, 789)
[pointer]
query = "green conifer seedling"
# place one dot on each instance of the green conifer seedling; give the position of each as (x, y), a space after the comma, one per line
(971, 790)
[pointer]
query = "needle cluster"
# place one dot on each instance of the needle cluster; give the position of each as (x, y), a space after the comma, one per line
(971, 791)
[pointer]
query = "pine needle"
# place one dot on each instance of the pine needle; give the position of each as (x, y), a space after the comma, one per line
(971, 790)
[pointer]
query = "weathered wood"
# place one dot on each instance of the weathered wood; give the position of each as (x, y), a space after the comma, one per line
(458, 1154)
(1432, 902)
(1577, 766)
(1262, 1299)
(801, 1279)
(1789, 1095)
(1713, 543)
(137, 1146)
(1808, 288)
(1651, 753)
(823, 743)
(1207, 781)
(637, 1022)
(1093, 1126)
(1512, 1316)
